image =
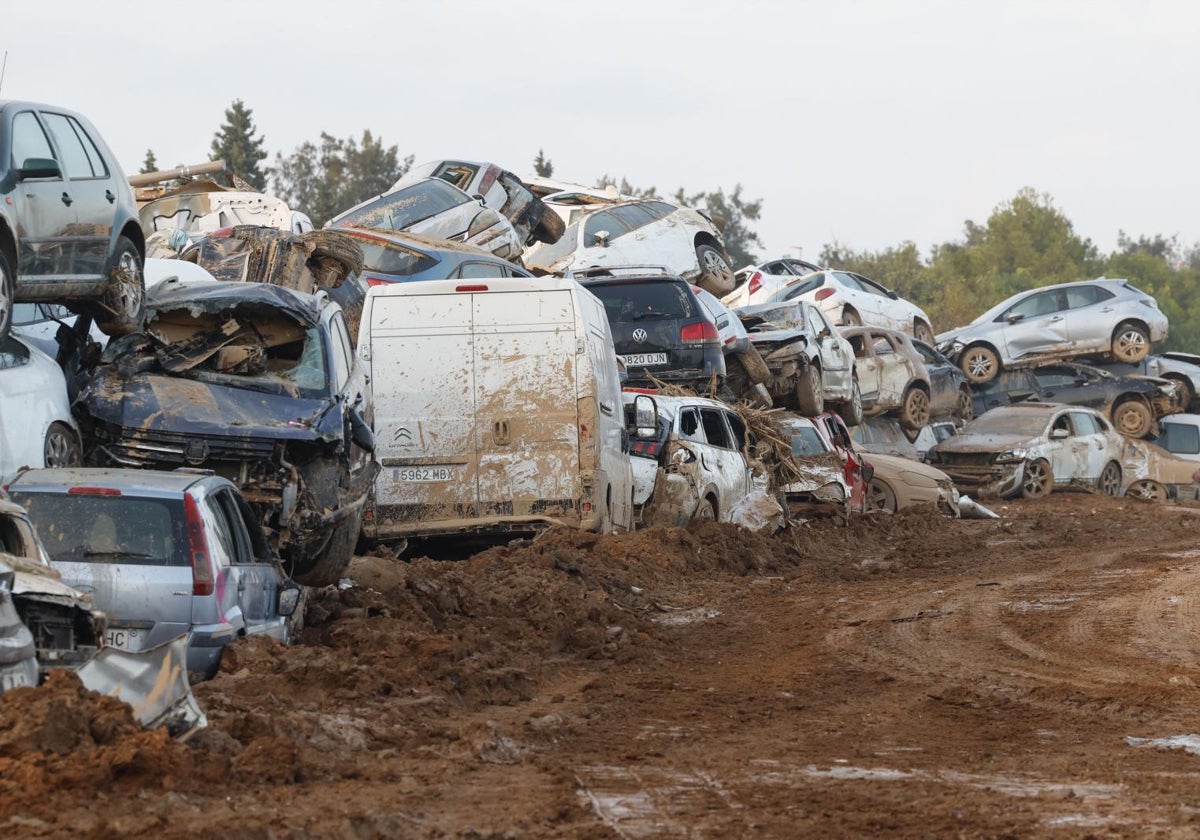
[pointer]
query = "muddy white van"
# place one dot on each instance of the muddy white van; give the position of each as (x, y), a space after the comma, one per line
(497, 409)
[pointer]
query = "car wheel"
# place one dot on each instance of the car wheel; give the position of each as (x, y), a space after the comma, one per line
(980, 364)
(880, 496)
(1109, 482)
(1133, 418)
(327, 568)
(850, 318)
(335, 254)
(914, 410)
(716, 275)
(851, 411)
(7, 295)
(551, 226)
(1147, 490)
(922, 332)
(707, 510)
(124, 300)
(809, 400)
(1038, 480)
(965, 407)
(61, 447)
(1130, 343)
(1185, 391)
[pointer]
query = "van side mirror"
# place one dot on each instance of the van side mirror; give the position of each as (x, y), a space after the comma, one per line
(645, 416)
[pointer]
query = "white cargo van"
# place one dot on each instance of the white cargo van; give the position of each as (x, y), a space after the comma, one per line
(497, 409)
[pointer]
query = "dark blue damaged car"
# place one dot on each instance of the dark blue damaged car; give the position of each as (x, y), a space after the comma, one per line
(259, 384)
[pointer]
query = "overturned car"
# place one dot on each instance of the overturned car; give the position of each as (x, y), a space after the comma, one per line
(259, 384)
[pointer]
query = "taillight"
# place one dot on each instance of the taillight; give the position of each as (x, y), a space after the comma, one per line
(701, 333)
(824, 293)
(93, 491)
(755, 282)
(378, 281)
(221, 233)
(474, 287)
(197, 547)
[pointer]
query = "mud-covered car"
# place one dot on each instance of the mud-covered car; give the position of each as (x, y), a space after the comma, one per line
(891, 375)
(404, 257)
(258, 383)
(851, 300)
(1031, 449)
(69, 230)
(949, 391)
(1181, 368)
(828, 469)
(1154, 474)
(756, 283)
(883, 435)
(897, 483)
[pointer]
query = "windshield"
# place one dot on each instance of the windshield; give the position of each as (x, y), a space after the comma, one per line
(1000, 422)
(806, 441)
(91, 528)
(407, 206)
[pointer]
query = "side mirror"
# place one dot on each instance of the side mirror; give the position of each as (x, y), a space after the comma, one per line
(482, 201)
(360, 432)
(868, 472)
(645, 414)
(1012, 319)
(289, 598)
(601, 238)
(40, 168)
(893, 295)
(1059, 434)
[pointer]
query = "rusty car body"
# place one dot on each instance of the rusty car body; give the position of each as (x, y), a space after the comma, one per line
(258, 383)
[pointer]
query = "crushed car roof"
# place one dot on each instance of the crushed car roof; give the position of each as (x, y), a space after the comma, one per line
(205, 296)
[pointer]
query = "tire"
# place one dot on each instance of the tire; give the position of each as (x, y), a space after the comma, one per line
(550, 227)
(1147, 490)
(706, 511)
(1109, 482)
(123, 303)
(8, 293)
(923, 332)
(327, 568)
(964, 408)
(851, 411)
(914, 410)
(880, 496)
(338, 248)
(1133, 418)
(755, 366)
(809, 400)
(1038, 480)
(61, 447)
(1130, 343)
(980, 364)
(716, 275)
(850, 318)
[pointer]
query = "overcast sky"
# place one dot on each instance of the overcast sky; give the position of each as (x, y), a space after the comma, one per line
(866, 122)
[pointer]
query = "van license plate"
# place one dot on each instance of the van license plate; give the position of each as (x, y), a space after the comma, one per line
(644, 359)
(118, 639)
(424, 474)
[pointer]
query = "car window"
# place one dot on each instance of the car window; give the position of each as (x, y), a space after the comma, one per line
(217, 530)
(1181, 438)
(1062, 421)
(858, 343)
(78, 159)
(1078, 296)
(928, 355)
(777, 267)
(802, 286)
(1054, 379)
(458, 174)
(13, 354)
(659, 209)
(870, 286)
(603, 220)
(689, 425)
(342, 351)
(645, 301)
(807, 441)
(87, 527)
(473, 270)
(232, 516)
(797, 268)
(1043, 303)
(388, 258)
(882, 345)
(848, 280)
(1085, 424)
(738, 428)
(408, 206)
(29, 140)
(633, 215)
(714, 428)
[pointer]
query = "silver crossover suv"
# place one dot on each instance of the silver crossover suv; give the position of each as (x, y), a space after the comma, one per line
(1107, 317)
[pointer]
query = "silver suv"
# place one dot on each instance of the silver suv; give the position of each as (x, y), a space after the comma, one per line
(162, 554)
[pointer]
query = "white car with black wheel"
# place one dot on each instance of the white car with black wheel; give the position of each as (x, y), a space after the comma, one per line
(38, 428)
(851, 300)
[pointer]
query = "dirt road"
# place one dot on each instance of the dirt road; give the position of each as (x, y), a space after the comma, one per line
(906, 675)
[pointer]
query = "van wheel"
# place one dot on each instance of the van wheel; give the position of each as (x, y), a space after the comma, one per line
(7, 294)
(809, 399)
(124, 299)
(61, 447)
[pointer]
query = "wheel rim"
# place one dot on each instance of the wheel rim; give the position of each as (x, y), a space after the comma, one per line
(879, 498)
(1131, 422)
(1110, 480)
(979, 365)
(1131, 345)
(856, 408)
(1037, 480)
(1147, 490)
(966, 409)
(6, 303)
(918, 407)
(60, 449)
(715, 264)
(127, 297)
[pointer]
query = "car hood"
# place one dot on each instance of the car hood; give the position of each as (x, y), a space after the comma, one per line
(159, 402)
(894, 465)
(992, 442)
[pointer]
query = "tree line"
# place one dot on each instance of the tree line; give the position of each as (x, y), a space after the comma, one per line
(1026, 242)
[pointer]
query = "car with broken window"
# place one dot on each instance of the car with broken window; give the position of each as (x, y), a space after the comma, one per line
(808, 360)
(1056, 323)
(1134, 403)
(949, 392)
(643, 232)
(1031, 449)
(756, 283)
(258, 383)
(163, 554)
(851, 300)
(659, 328)
(404, 257)
(39, 429)
(690, 462)
(891, 375)
(69, 230)
(828, 468)
(433, 207)
(501, 190)
(1181, 368)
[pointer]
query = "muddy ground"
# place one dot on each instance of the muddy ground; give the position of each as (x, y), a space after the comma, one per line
(906, 675)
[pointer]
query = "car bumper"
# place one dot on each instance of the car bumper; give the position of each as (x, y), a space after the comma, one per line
(992, 480)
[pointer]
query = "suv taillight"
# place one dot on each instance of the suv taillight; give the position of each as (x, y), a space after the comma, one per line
(701, 333)
(378, 281)
(197, 547)
(755, 282)
(824, 293)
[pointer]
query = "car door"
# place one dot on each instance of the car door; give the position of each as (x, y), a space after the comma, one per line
(254, 573)
(1070, 384)
(1089, 317)
(1035, 324)
(837, 360)
(870, 372)
(895, 369)
(866, 304)
(891, 314)
(91, 183)
(728, 471)
(1093, 443)
(44, 205)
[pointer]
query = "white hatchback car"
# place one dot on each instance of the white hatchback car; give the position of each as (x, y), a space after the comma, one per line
(851, 300)
(756, 283)
(38, 428)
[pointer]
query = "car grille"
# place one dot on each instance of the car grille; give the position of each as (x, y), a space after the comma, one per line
(967, 459)
(174, 448)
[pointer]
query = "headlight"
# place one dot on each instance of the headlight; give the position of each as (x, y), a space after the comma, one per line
(1012, 456)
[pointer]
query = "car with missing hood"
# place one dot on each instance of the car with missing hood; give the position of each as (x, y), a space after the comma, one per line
(1031, 449)
(1054, 323)
(647, 231)
(258, 383)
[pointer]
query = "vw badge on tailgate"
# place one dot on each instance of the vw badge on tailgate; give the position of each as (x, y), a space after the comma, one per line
(639, 335)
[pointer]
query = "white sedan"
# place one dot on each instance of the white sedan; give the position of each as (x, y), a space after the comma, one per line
(851, 300)
(38, 430)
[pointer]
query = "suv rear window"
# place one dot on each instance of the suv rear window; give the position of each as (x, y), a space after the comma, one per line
(393, 259)
(643, 301)
(87, 528)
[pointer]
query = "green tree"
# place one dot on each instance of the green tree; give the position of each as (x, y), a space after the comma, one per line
(542, 167)
(236, 144)
(324, 180)
(150, 164)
